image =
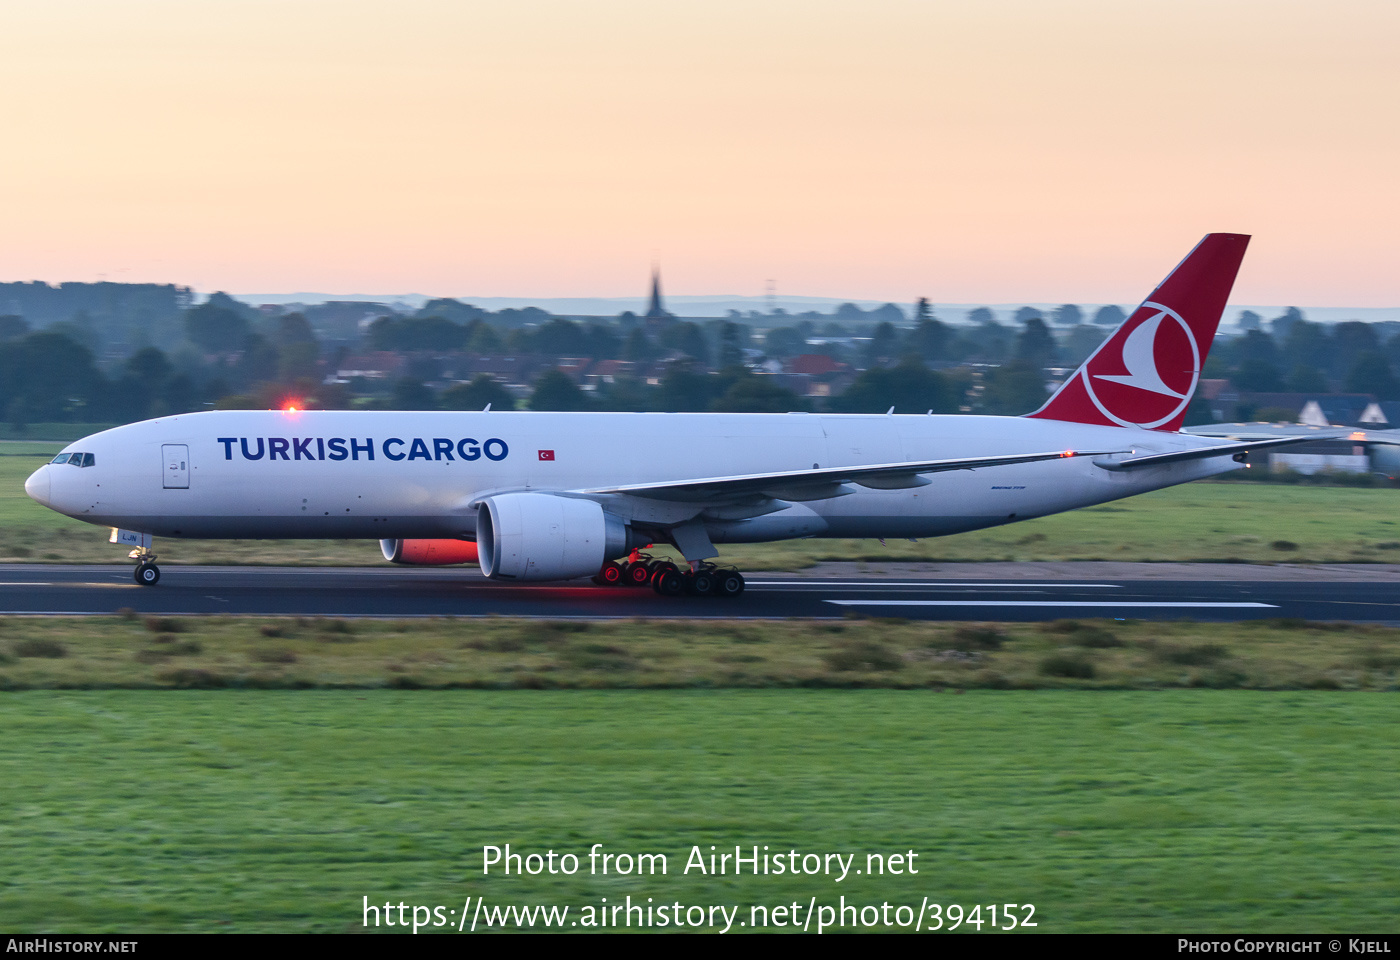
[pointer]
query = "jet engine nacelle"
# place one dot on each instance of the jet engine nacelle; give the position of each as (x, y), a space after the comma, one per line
(428, 553)
(1385, 459)
(540, 536)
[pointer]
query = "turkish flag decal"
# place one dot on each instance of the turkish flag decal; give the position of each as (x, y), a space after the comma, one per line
(546, 454)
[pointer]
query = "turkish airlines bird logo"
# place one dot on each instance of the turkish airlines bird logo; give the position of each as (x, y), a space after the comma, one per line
(1145, 374)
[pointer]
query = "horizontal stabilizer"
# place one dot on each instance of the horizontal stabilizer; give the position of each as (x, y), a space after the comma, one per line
(1203, 453)
(1263, 431)
(825, 479)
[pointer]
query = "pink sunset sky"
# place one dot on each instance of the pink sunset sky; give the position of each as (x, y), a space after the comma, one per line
(998, 151)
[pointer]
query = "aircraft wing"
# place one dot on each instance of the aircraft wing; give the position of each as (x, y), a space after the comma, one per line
(823, 483)
(1259, 431)
(1202, 453)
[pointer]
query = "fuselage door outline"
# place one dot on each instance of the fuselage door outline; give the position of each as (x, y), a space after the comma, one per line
(175, 458)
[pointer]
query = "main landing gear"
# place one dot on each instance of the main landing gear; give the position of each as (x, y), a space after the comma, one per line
(703, 579)
(146, 573)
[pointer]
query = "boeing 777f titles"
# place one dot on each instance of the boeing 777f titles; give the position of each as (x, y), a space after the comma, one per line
(556, 496)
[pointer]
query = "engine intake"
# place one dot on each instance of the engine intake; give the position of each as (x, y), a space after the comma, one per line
(540, 536)
(429, 553)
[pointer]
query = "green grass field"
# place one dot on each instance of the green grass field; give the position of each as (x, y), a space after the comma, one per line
(1201, 811)
(1244, 522)
(503, 653)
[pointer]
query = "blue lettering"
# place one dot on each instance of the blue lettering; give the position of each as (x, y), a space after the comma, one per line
(320, 449)
(243, 442)
(337, 445)
(367, 449)
(486, 447)
(300, 447)
(468, 450)
(228, 443)
(419, 450)
(442, 448)
(277, 445)
(392, 456)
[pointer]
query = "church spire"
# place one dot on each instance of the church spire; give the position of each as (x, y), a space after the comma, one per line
(655, 310)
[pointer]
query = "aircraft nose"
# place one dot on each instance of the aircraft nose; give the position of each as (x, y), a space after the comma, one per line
(37, 486)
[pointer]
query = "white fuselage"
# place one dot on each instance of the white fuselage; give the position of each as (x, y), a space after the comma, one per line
(381, 475)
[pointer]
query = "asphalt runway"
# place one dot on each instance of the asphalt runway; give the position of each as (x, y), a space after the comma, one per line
(40, 589)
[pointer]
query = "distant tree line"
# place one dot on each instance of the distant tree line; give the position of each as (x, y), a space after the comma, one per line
(96, 314)
(224, 353)
(1304, 357)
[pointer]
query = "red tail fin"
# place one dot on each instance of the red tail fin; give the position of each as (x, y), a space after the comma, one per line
(1144, 374)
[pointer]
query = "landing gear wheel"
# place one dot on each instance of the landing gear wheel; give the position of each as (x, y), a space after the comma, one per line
(146, 574)
(610, 575)
(701, 583)
(729, 583)
(638, 573)
(668, 581)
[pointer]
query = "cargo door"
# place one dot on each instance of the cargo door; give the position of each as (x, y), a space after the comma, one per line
(177, 465)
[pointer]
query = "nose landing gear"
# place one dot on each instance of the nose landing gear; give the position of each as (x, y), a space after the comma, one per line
(146, 573)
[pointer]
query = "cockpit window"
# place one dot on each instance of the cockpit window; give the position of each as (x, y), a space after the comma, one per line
(88, 460)
(61, 458)
(76, 459)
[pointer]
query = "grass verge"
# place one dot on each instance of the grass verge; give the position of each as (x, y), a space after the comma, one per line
(503, 653)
